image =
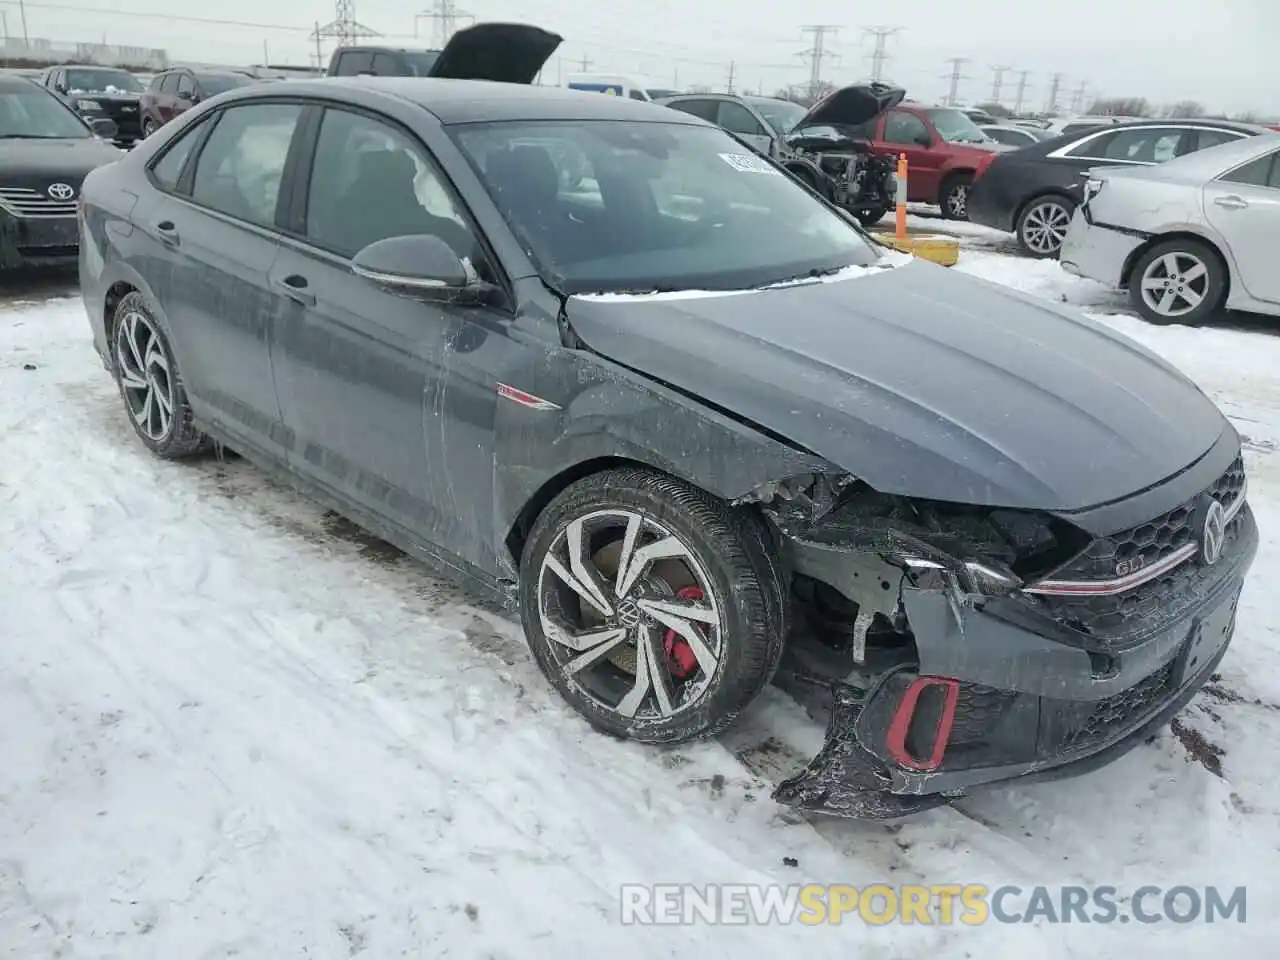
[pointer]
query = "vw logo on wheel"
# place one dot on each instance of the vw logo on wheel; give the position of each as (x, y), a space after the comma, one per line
(629, 614)
(61, 191)
(1214, 534)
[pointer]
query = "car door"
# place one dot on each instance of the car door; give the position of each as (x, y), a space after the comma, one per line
(220, 229)
(1243, 206)
(185, 94)
(904, 132)
(389, 401)
(166, 97)
(736, 118)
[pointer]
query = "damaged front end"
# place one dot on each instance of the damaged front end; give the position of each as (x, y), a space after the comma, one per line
(922, 636)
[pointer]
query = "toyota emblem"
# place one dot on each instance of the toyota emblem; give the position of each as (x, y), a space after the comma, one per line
(1215, 533)
(61, 191)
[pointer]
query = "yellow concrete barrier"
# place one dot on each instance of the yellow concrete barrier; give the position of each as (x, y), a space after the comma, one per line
(937, 249)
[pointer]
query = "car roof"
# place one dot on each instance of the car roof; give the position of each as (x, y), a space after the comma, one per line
(478, 101)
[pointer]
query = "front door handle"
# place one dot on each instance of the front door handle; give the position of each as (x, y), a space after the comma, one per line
(294, 287)
(1231, 203)
(168, 233)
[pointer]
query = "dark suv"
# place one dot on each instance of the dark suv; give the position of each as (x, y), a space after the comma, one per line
(178, 89)
(505, 52)
(95, 92)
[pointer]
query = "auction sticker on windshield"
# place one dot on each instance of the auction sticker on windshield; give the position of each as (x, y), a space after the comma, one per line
(745, 163)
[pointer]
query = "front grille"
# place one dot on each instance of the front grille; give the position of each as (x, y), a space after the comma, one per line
(1117, 619)
(1155, 539)
(34, 204)
(1085, 726)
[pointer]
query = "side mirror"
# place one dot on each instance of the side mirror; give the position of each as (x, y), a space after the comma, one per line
(104, 127)
(421, 266)
(60, 86)
(186, 96)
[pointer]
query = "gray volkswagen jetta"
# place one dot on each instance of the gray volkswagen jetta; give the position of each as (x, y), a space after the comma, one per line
(689, 421)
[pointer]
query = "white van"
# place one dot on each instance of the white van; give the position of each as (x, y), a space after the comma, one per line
(616, 86)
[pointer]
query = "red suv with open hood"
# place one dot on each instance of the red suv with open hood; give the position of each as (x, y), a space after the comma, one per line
(943, 146)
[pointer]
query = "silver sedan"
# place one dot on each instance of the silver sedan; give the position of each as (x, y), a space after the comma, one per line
(1187, 237)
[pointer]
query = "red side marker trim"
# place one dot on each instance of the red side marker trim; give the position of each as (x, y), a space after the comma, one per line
(895, 740)
(525, 399)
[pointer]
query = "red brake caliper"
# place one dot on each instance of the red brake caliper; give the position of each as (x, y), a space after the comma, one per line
(680, 659)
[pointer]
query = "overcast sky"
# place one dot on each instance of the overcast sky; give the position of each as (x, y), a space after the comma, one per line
(1166, 50)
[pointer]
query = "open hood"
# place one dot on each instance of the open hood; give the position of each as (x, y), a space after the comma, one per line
(505, 52)
(852, 105)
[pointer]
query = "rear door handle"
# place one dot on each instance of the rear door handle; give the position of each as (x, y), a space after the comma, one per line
(294, 287)
(1231, 203)
(168, 232)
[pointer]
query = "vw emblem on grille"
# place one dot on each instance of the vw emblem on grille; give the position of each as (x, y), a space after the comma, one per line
(629, 614)
(61, 191)
(1214, 534)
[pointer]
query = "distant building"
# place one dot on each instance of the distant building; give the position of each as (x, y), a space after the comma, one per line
(39, 52)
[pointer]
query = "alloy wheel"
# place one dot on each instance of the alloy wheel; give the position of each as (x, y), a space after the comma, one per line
(957, 201)
(631, 616)
(1045, 226)
(1175, 284)
(144, 375)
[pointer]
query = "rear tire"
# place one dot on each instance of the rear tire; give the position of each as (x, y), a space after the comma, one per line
(1181, 281)
(150, 383)
(616, 642)
(148, 127)
(870, 216)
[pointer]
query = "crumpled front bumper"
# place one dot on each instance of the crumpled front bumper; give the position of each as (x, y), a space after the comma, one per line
(1011, 703)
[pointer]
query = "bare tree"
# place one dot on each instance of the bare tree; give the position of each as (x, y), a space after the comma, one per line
(1186, 109)
(1121, 107)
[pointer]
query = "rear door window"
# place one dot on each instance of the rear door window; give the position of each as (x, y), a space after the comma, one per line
(904, 128)
(385, 65)
(238, 172)
(703, 109)
(1263, 172)
(736, 118)
(1212, 138)
(355, 62)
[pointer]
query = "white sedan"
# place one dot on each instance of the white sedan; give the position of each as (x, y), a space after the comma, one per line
(1186, 237)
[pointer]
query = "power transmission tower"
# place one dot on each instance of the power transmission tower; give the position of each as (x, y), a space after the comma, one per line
(444, 16)
(732, 67)
(1077, 98)
(997, 82)
(878, 56)
(817, 53)
(1055, 84)
(957, 64)
(344, 29)
(585, 63)
(1022, 91)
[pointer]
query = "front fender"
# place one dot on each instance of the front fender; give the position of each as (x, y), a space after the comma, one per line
(613, 414)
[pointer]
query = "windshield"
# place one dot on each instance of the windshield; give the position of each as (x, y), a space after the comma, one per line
(215, 83)
(102, 81)
(37, 115)
(626, 207)
(782, 115)
(955, 127)
(421, 64)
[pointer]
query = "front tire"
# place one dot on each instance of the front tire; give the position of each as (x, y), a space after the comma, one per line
(150, 383)
(653, 608)
(1043, 224)
(148, 127)
(870, 216)
(1178, 281)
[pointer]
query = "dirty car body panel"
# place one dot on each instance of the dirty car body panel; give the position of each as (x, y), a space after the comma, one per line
(1003, 560)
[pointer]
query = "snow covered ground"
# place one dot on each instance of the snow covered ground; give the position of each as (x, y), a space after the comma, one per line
(232, 726)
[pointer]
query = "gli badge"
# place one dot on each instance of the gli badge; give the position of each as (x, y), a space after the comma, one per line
(1131, 565)
(61, 191)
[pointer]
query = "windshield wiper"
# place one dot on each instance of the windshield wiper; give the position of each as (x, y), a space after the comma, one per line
(814, 274)
(32, 136)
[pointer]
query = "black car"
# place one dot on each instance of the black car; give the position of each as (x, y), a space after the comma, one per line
(684, 417)
(95, 92)
(1033, 191)
(47, 149)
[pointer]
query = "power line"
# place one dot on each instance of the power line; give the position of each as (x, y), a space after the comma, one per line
(1055, 84)
(817, 53)
(878, 56)
(957, 64)
(1022, 91)
(997, 82)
